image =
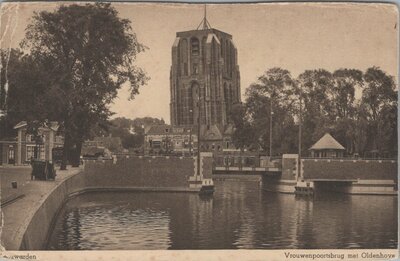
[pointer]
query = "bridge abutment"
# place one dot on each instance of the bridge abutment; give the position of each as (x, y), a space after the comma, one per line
(373, 177)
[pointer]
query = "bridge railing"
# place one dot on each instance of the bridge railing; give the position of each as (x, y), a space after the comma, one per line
(349, 159)
(246, 161)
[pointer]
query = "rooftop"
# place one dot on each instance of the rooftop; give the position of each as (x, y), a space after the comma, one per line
(167, 129)
(327, 142)
(51, 125)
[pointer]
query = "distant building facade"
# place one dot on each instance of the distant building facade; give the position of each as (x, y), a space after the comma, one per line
(161, 139)
(102, 146)
(205, 81)
(20, 150)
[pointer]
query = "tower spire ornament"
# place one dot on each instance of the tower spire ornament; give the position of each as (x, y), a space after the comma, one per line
(204, 23)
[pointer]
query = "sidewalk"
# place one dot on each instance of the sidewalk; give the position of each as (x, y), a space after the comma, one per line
(8, 174)
(18, 213)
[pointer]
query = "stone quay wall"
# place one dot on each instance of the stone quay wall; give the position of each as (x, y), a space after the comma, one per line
(140, 172)
(162, 174)
(39, 226)
(347, 169)
(377, 177)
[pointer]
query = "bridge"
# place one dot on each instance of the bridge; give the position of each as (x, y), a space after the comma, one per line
(246, 164)
(246, 170)
(348, 175)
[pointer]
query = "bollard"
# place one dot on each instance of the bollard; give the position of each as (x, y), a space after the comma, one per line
(14, 184)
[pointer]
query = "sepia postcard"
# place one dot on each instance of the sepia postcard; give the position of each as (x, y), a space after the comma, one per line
(199, 131)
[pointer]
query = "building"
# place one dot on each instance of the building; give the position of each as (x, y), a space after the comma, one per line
(161, 139)
(205, 82)
(327, 147)
(102, 146)
(8, 149)
(114, 144)
(20, 150)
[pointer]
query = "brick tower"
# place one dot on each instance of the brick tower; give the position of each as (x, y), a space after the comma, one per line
(204, 72)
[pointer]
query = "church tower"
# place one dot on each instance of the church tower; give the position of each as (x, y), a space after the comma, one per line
(204, 77)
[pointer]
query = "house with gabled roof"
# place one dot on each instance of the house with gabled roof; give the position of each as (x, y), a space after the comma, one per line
(327, 147)
(21, 149)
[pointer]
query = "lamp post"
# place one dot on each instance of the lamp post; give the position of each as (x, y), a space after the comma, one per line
(198, 135)
(167, 142)
(270, 126)
(144, 140)
(190, 137)
(300, 123)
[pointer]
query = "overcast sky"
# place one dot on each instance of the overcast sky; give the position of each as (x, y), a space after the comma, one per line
(293, 36)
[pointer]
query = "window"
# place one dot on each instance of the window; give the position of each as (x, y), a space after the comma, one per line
(30, 152)
(195, 46)
(195, 69)
(184, 56)
(156, 144)
(11, 153)
(29, 138)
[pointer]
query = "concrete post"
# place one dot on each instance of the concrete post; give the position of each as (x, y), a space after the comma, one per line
(51, 144)
(19, 148)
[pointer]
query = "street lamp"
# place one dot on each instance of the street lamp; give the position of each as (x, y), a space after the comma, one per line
(198, 134)
(166, 141)
(271, 113)
(300, 123)
(190, 137)
(144, 140)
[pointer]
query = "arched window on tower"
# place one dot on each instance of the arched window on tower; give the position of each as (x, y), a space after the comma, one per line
(222, 48)
(232, 60)
(194, 96)
(227, 101)
(226, 57)
(229, 58)
(195, 46)
(184, 57)
(214, 58)
(203, 52)
(230, 94)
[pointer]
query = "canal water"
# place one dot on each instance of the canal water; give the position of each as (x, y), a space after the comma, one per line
(239, 215)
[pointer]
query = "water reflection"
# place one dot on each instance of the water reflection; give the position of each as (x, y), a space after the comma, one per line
(239, 215)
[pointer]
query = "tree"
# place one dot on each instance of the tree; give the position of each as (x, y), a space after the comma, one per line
(132, 131)
(329, 104)
(88, 53)
(273, 93)
(317, 116)
(26, 95)
(10, 58)
(244, 134)
(346, 81)
(344, 107)
(380, 99)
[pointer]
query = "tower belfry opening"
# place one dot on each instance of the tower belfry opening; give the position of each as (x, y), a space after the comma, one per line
(204, 25)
